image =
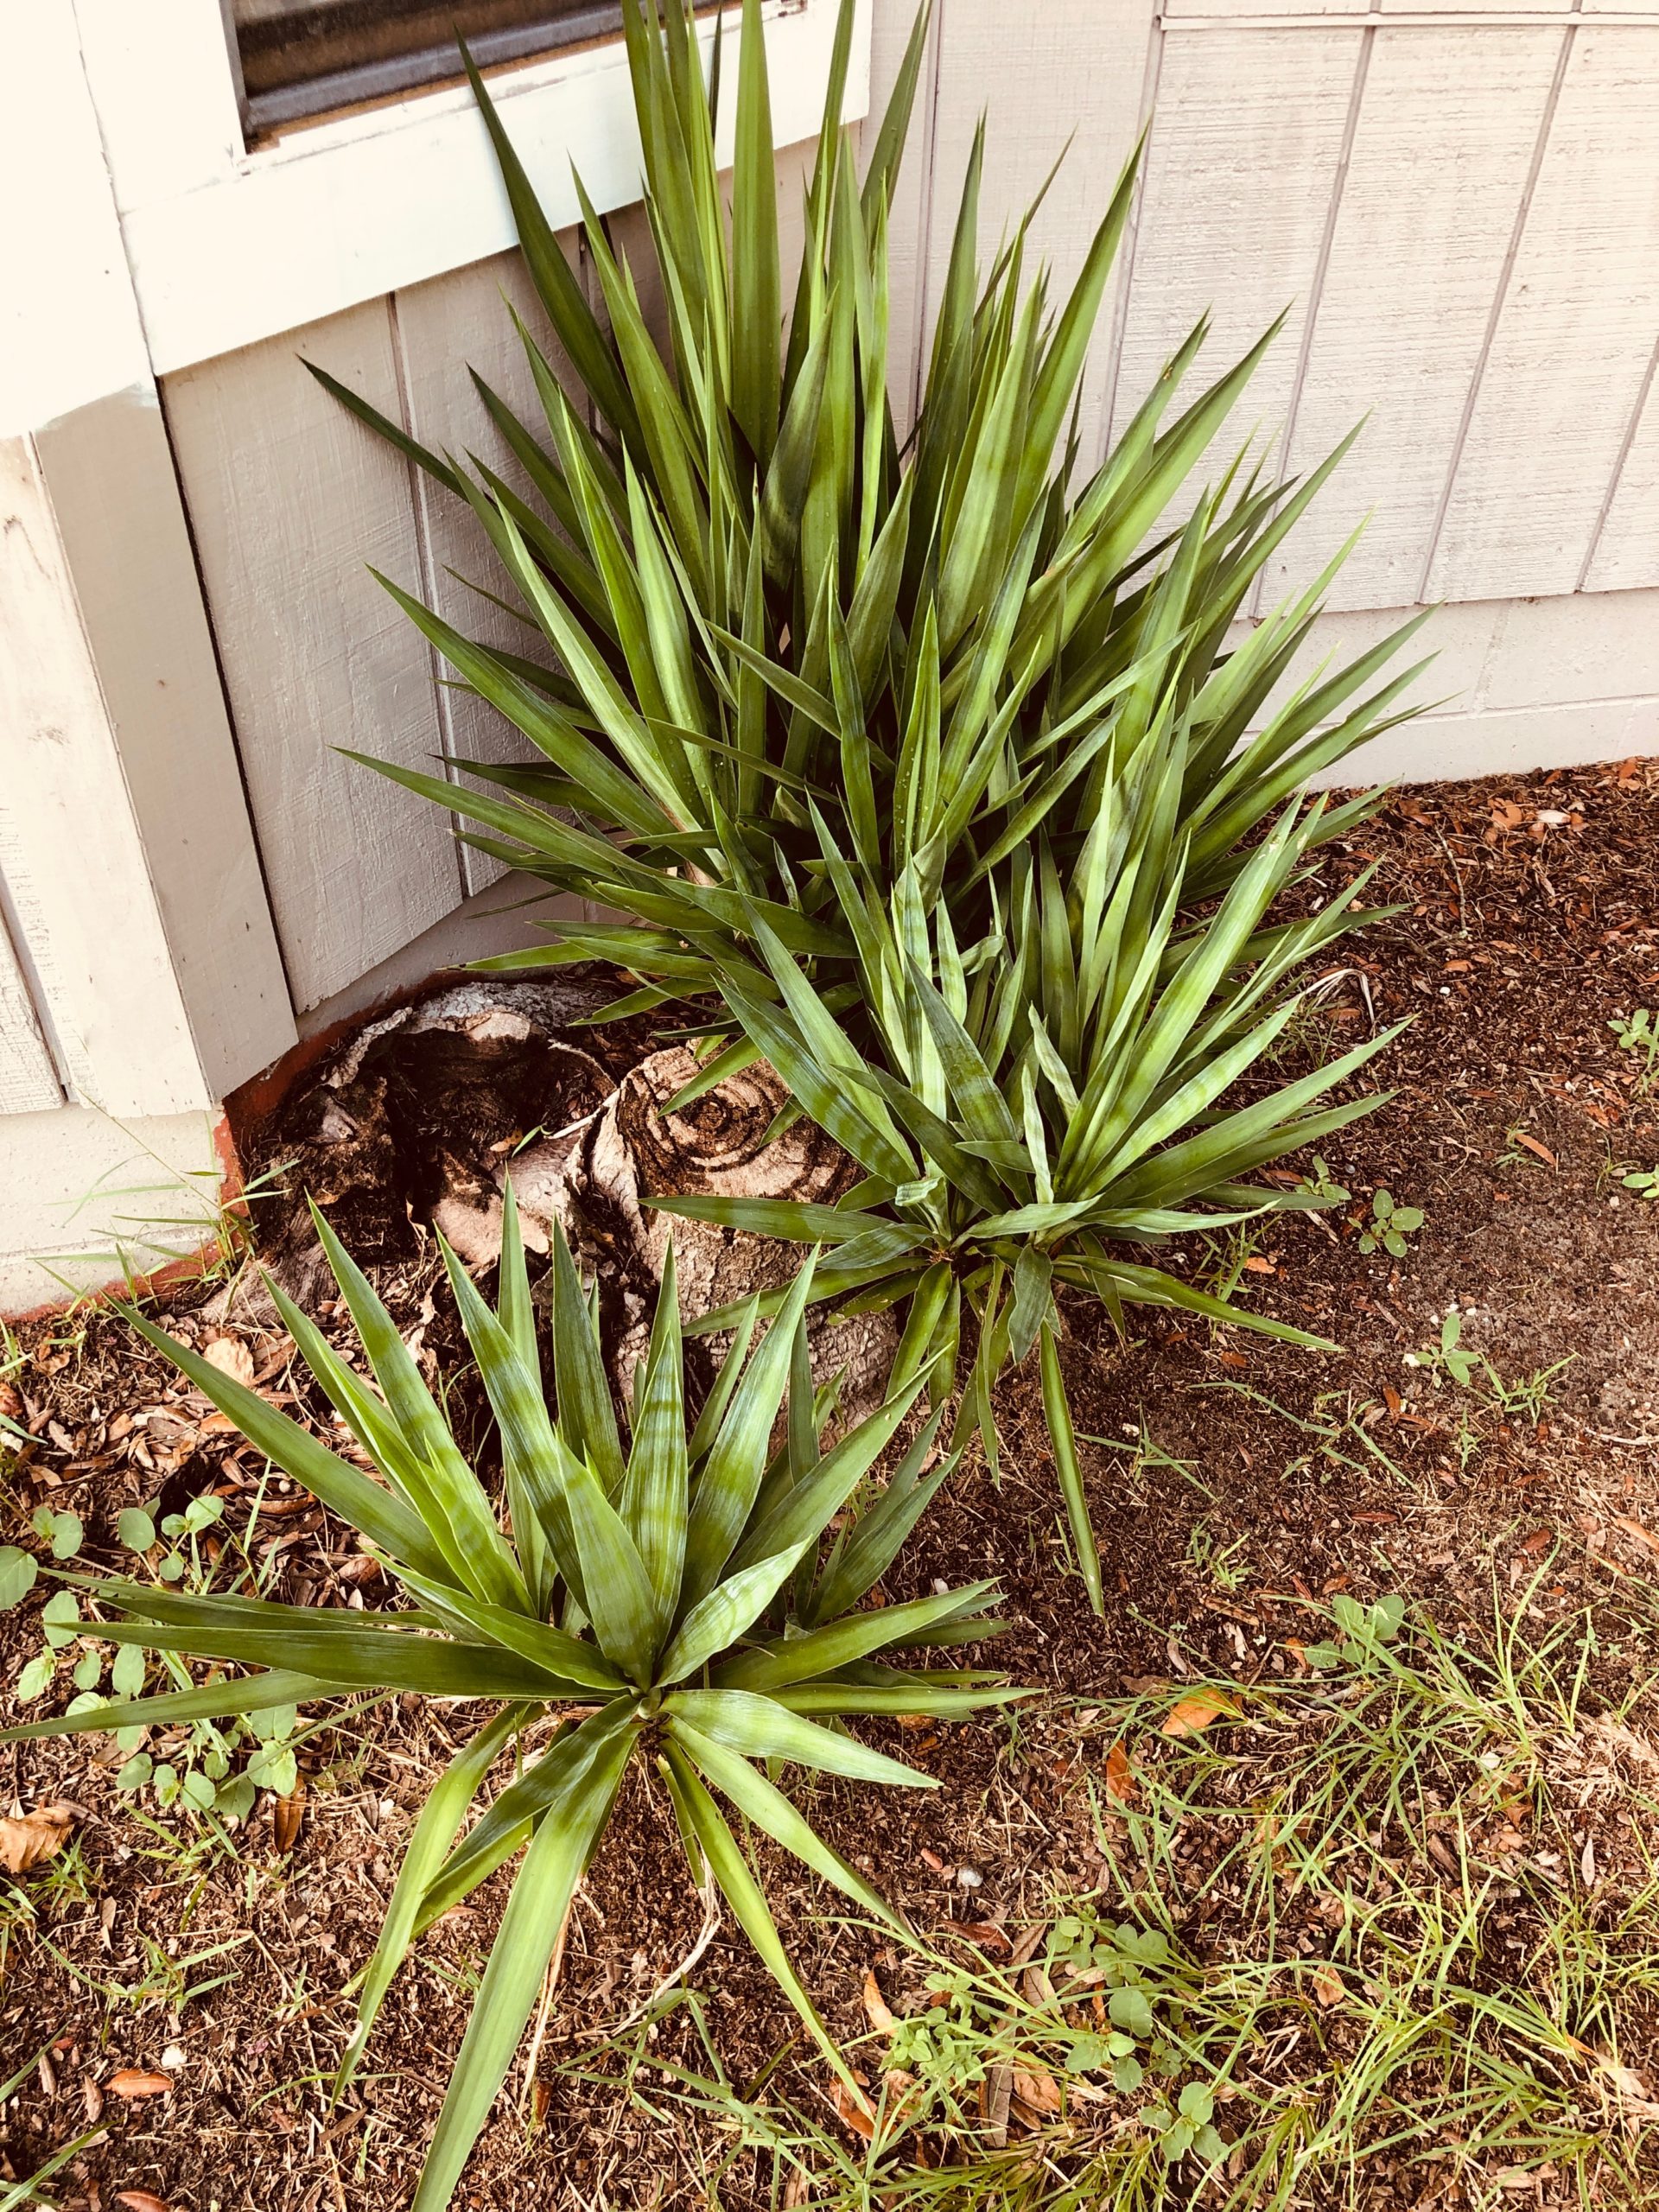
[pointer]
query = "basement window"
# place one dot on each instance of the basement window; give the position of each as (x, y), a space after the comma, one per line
(299, 58)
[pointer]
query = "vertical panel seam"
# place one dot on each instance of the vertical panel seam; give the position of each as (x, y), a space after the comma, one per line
(418, 492)
(1322, 263)
(929, 157)
(1612, 493)
(45, 1028)
(1500, 297)
(1152, 75)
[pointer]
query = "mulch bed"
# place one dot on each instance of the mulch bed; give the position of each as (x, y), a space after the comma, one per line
(1530, 918)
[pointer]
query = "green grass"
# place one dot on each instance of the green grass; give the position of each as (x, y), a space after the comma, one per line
(1357, 1924)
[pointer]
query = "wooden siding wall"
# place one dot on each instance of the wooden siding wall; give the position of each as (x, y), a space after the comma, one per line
(1460, 216)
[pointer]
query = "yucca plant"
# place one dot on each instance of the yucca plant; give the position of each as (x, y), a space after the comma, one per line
(933, 763)
(750, 604)
(1052, 1093)
(667, 1597)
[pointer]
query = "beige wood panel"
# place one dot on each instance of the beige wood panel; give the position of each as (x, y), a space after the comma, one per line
(1627, 545)
(1573, 339)
(1241, 168)
(28, 1080)
(1447, 128)
(110, 478)
(290, 499)
(1228, 10)
(444, 329)
(1071, 70)
(1477, 8)
(78, 891)
(908, 214)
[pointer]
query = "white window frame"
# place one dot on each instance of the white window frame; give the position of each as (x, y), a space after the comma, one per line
(228, 246)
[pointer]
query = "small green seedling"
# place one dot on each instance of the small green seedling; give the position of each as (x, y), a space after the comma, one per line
(1122, 1960)
(1637, 1034)
(1451, 1355)
(62, 1532)
(1321, 1188)
(1390, 1225)
(1187, 2127)
(1644, 1181)
(949, 2044)
(18, 1570)
(1367, 1632)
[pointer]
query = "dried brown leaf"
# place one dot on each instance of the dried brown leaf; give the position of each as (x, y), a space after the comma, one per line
(130, 2082)
(987, 1935)
(996, 2096)
(877, 2009)
(141, 2200)
(1194, 1713)
(1327, 1986)
(25, 1839)
(854, 2109)
(286, 1817)
(1120, 1783)
(232, 1356)
(1036, 2087)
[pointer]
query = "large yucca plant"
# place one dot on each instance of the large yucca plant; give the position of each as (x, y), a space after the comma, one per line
(750, 604)
(674, 1590)
(933, 762)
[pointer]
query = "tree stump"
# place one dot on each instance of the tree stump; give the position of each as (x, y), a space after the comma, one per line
(598, 1180)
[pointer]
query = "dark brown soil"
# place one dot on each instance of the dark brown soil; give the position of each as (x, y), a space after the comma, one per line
(1530, 921)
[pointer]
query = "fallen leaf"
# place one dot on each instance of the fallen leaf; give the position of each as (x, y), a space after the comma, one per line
(1635, 1529)
(995, 2095)
(987, 1935)
(286, 1817)
(140, 2200)
(1257, 1264)
(230, 1356)
(130, 2082)
(1630, 2084)
(1029, 1944)
(852, 2109)
(1542, 1150)
(1194, 1713)
(1393, 1400)
(28, 1838)
(1036, 2087)
(1120, 1783)
(880, 2013)
(1327, 1986)
(1538, 1541)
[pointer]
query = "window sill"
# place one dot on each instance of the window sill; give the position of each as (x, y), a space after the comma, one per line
(227, 247)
